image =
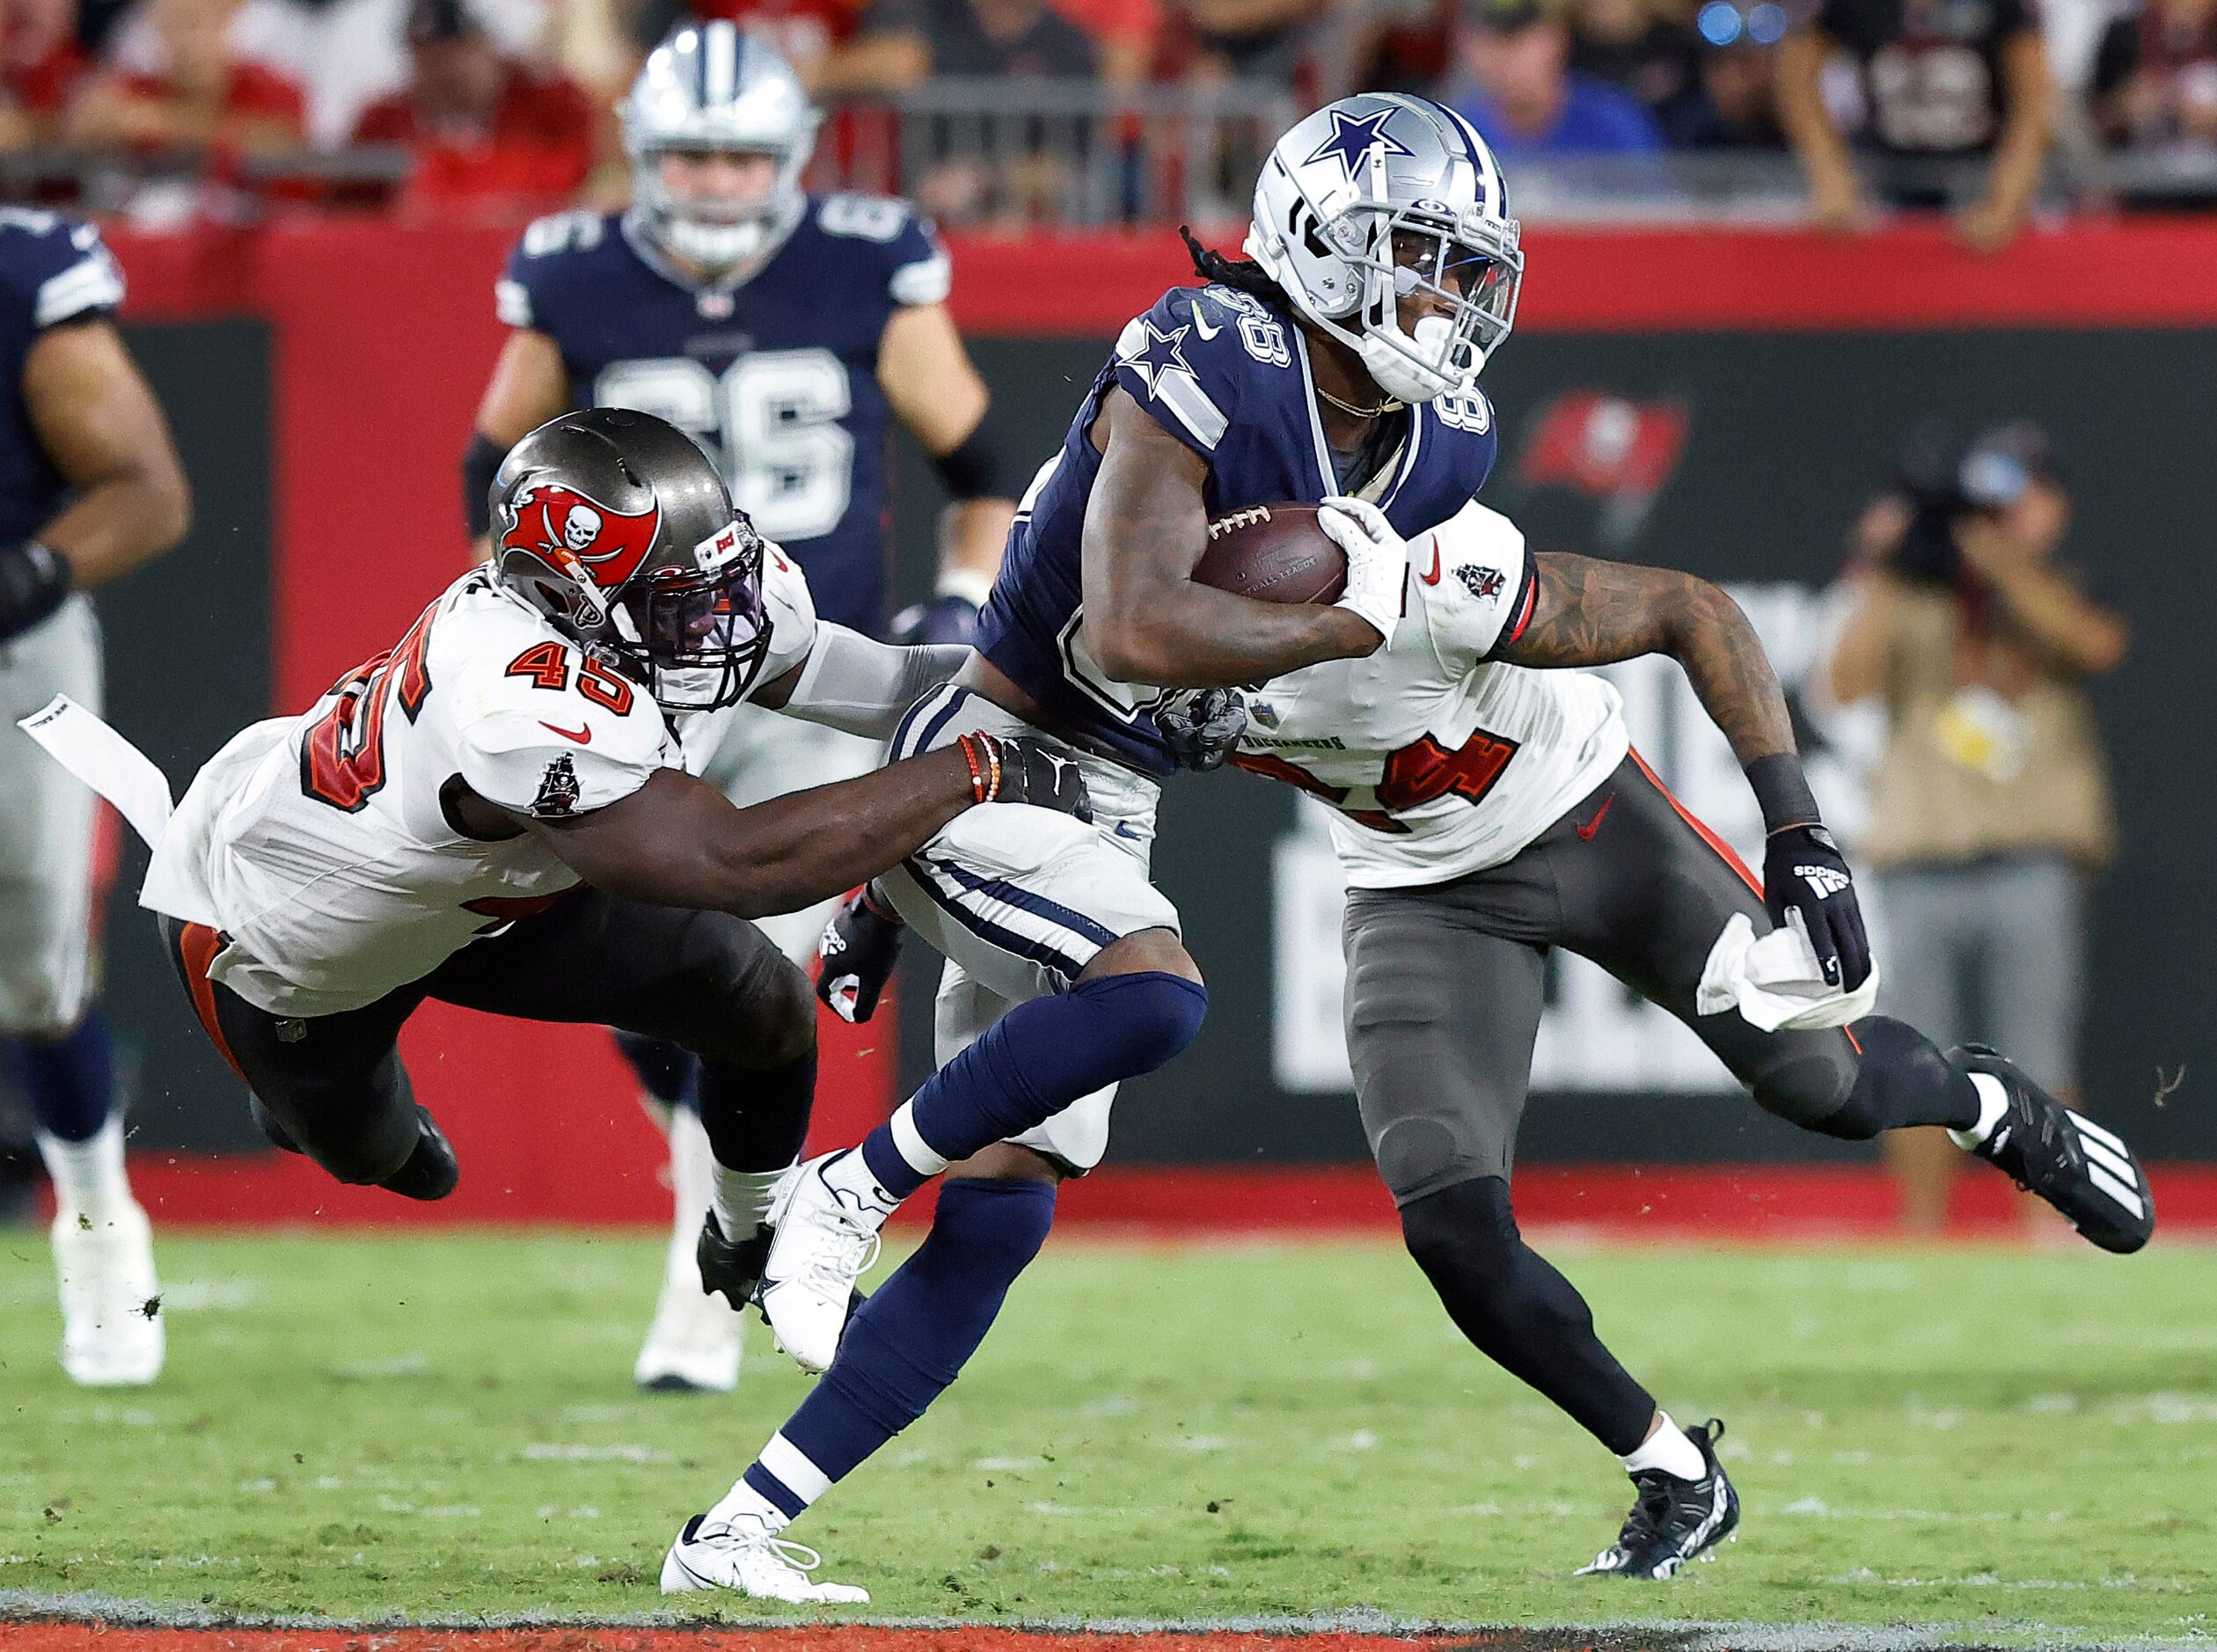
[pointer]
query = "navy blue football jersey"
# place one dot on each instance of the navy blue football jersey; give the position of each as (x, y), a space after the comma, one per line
(1227, 374)
(51, 270)
(775, 375)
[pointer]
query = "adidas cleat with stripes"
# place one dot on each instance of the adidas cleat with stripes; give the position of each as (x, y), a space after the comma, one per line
(2083, 1170)
(1675, 1520)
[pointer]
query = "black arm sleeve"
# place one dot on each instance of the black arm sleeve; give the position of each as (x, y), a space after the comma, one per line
(480, 463)
(972, 468)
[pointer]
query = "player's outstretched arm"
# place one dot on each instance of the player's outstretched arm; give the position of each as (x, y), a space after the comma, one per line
(936, 392)
(1146, 620)
(856, 686)
(677, 841)
(1587, 612)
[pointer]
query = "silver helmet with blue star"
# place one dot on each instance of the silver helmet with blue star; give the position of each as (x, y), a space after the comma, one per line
(1379, 197)
(714, 87)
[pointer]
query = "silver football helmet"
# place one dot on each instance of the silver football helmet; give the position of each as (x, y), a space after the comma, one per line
(713, 86)
(1379, 196)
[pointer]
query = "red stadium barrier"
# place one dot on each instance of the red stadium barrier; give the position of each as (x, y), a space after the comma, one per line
(383, 337)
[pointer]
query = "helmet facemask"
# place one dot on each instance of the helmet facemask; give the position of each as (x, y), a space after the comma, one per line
(696, 638)
(718, 234)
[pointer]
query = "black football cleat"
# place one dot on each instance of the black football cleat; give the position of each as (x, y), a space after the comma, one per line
(2083, 1170)
(432, 1169)
(732, 1266)
(1675, 1520)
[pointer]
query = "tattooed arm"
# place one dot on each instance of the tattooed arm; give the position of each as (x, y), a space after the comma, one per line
(1589, 612)
(1146, 620)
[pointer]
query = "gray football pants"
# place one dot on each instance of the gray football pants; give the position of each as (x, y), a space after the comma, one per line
(1445, 983)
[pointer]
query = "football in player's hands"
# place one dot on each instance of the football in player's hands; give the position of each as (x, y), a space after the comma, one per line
(861, 945)
(1273, 554)
(1807, 886)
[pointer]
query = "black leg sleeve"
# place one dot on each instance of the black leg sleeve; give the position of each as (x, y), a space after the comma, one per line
(1901, 1079)
(1521, 1313)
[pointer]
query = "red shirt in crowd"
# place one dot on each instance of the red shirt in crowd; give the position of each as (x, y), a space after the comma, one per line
(537, 147)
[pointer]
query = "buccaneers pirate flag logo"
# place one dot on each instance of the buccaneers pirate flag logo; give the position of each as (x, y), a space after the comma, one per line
(1613, 449)
(556, 522)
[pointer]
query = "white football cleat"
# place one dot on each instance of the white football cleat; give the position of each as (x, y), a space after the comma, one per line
(112, 1325)
(693, 1345)
(823, 1243)
(752, 1561)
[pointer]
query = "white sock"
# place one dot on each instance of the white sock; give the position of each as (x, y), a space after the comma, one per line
(743, 1506)
(850, 1173)
(741, 1199)
(88, 1175)
(1993, 1102)
(1669, 1450)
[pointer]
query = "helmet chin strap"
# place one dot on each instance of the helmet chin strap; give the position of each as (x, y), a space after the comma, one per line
(1399, 361)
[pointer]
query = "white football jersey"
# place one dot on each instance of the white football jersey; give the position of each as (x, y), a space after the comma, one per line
(1438, 760)
(322, 845)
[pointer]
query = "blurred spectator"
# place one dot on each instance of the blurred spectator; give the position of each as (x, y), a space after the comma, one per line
(188, 91)
(1524, 99)
(1264, 41)
(480, 125)
(1942, 79)
(1125, 32)
(1990, 807)
(2156, 75)
(1733, 102)
(1635, 45)
(40, 61)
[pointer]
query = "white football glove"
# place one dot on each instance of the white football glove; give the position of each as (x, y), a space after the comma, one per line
(1377, 561)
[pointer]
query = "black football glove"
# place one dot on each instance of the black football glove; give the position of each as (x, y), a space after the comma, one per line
(944, 619)
(1805, 875)
(34, 581)
(1201, 726)
(1026, 769)
(858, 953)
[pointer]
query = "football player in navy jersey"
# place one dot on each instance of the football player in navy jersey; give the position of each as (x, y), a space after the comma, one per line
(785, 332)
(90, 487)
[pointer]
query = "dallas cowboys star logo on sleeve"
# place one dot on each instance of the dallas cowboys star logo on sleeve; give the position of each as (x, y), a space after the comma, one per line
(1157, 360)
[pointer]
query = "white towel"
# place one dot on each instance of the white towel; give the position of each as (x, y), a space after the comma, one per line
(105, 761)
(1775, 981)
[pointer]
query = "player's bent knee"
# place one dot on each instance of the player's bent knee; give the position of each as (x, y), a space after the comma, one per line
(1139, 1022)
(1814, 1091)
(1007, 1162)
(1898, 1072)
(743, 1002)
(1147, 952)
(1468, 1228)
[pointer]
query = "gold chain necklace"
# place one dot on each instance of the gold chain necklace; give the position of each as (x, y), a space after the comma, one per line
(1347, 407)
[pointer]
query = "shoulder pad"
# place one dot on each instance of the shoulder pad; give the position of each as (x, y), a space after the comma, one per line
(58, 267)
(1478, 582)
(546, 245)
(1186, 360)
(917, 271)
(790, 607)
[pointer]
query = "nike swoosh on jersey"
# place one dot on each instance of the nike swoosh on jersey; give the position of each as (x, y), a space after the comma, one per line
(1201, 324)
(1432, 578)
(582, 737)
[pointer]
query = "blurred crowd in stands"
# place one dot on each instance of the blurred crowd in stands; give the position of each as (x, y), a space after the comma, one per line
(991, 108)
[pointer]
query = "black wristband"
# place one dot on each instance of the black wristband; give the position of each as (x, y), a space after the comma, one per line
(480, 464)
(34, 581)
(1781, 790)
(972, 469)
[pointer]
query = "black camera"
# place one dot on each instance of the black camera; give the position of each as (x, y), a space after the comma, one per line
(1947, 485)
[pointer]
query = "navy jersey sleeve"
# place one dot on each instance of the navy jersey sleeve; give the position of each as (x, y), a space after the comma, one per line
(1188, 360)
(531, 290)
(906, 248)
(56, 269)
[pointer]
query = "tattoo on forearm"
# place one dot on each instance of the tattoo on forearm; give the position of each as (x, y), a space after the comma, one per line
(1589, 612)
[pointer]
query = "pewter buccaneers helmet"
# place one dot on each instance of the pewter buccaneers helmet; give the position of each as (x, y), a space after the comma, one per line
(617, 527)
(711, 86)
(1378, 196)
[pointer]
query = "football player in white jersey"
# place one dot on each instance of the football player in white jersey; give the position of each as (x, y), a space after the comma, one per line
(787, 332)
(500, 812)
(1488, 808)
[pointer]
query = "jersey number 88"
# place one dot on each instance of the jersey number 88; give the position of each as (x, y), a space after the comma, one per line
(771, 422)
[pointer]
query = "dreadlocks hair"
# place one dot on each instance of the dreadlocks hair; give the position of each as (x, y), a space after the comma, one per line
(1242, 273)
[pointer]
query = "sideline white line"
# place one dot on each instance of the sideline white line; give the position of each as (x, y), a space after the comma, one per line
(1676, 1635)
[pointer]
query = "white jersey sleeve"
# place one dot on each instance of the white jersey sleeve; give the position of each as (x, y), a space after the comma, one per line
(1482, 585)
(791, 611)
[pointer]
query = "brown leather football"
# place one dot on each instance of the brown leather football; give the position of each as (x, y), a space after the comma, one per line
(1274, 553)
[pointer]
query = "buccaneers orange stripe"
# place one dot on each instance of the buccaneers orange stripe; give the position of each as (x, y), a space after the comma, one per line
(198, 945)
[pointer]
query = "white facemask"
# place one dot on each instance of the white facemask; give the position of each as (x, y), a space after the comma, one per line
(1416, 368)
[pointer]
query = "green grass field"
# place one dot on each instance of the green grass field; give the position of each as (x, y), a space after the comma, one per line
(2003, 1443)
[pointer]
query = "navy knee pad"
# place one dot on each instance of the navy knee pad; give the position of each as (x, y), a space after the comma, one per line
(1139, 1022)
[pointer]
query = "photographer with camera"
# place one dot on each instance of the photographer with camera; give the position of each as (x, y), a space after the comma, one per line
(1990, 810)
